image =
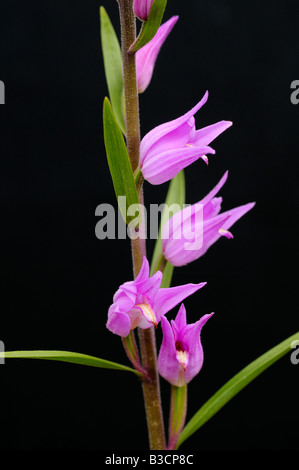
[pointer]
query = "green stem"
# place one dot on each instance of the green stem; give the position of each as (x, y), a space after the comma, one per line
(160, 265)
(147, 340)
(177, 414)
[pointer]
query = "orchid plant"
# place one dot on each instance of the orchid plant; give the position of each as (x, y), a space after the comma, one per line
(143, 302)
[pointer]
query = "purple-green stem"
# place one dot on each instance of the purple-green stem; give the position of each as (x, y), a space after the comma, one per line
(131, 349)
(147, 339)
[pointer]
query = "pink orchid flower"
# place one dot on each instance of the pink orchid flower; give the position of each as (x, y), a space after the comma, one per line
(172, 146)
(142, 8)
(143, 303)
(181, 354)
(147, 55)
(186, 237)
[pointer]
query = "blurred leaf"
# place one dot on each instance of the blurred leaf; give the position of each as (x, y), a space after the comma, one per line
(151, 25)
(113, 66)
(234, 386)
(118, 161)
(175, 195)
(67, 356)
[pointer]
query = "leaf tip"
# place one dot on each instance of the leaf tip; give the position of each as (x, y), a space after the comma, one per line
(106, 103)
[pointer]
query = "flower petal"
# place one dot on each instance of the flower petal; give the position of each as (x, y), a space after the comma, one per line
(175, 139)
(150, 287)
(147, 55)
(196, 355)
(207, 134)
(167, 298)
(181, 318)
(167, 362)
(212, 208)
(182, 251)
(210, 236)
(118, 322)
(160, 131)
(125, 296)
(142, 8)
(138, 318)
(215, 190)
(179, 226)
(163, 167)
(236, 213)
(144, 271)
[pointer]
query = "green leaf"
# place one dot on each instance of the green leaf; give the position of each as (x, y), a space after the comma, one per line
(175, 195)
(151, 25)
(118, 161)
(234, 386)
(113, 66)
(67, 356)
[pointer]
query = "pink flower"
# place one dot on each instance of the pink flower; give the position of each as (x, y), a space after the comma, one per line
(142, 8)
(190, 232)
(142, 302)
(172, 146)
(147, 55)
(181, 354)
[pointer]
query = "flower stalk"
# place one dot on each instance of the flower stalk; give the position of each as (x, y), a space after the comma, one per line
(177, 414)
(128, 35)
(151, 387)
(131, 349)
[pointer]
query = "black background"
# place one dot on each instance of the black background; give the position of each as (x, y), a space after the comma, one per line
(58, 279)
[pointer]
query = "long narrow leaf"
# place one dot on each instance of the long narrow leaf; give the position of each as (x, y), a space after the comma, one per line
(175, 195)
(113, 66)
(151, 25)
(234, 386)
(67, 356)
(118, 161)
